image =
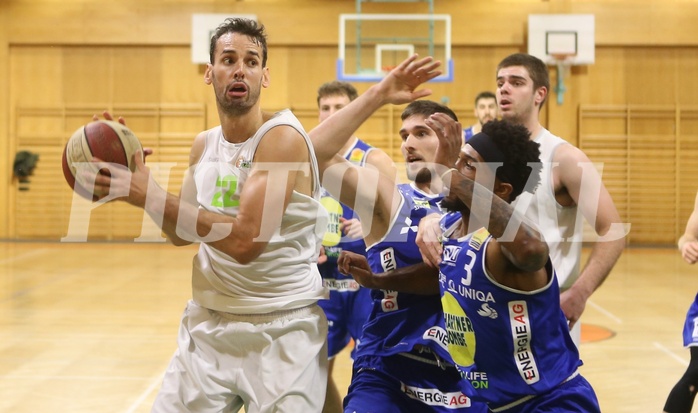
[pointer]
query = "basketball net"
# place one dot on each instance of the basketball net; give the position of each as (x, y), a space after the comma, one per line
(563, 62)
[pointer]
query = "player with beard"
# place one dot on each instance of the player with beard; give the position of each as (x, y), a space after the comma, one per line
(253, 335)
(401, 363)
(506, 331)
(485, 111)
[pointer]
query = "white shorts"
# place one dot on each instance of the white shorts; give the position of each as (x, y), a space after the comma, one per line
(264, 362)
(576, 333)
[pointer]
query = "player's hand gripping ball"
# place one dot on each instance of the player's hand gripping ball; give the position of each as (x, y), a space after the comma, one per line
(109, 141)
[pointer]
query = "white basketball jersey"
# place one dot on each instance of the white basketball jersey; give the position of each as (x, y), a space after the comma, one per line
(556, 222)
(285, 275)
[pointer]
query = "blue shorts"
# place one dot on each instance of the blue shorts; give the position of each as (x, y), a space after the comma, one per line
(690, 328)
(397, 384)
(347, 310)
(573, 396)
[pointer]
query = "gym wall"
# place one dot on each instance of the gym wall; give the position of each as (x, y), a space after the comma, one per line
(635, 110)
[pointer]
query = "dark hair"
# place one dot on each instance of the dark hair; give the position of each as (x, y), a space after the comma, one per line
(519, 150)
(535, 67)
(485, 95)
(240, 25)
(426, 108)
(336, 88)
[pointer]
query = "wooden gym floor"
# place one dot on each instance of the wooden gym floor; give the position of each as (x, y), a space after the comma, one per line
(90, 327)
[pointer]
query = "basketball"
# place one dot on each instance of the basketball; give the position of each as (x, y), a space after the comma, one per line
(106, 140)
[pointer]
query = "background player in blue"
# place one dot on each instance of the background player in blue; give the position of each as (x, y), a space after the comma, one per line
(349, 304)
(683, 393)
(506, 331)
(401, 363)
(485, 111)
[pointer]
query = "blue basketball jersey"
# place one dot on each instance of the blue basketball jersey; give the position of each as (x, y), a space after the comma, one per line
(690, 328)
(400, 321)
(468, 133)
(507, 344)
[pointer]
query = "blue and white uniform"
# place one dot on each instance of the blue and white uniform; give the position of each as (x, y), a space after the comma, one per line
(349, 303)
(511, 347)
(468, 133)
(690, 328)
(402, 362)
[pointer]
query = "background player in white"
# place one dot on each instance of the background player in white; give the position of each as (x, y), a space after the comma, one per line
(683, 394)
(349, 304)
(570, 186)
(485, 110)
(253, 335)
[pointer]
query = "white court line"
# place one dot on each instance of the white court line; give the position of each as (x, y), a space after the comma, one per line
(70, 378)
(23, 256)
(670, 353)
(605, 312)
(137, 403)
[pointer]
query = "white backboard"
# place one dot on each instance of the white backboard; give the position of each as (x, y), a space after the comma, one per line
(550, 34)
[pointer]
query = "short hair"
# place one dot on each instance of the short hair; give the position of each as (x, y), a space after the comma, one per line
(336, 88)
(535, 67)
(485, 95)
(426, 108)
(514, 141)
(248, 27)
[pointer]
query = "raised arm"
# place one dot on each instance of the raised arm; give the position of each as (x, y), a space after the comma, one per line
(688, 243)
(397, 87)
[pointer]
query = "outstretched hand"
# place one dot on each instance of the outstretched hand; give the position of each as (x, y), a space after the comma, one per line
(357, 266)
(351, 228)
(689, 252)
(398, 86)
(450, 134)
(429, 239)
(108, 116)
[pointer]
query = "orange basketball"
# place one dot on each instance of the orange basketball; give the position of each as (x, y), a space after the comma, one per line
(106, 140)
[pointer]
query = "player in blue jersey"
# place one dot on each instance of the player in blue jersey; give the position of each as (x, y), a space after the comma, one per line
(506, 331)
(402, 362)
(683, 394)
(349, 304)
(485, 111)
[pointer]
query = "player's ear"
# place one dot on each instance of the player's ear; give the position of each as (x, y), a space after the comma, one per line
(503, 189)
(541, 93)
(208, 77)
(265, 77)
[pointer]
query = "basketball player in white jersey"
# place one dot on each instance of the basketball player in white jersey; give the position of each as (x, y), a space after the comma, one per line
(570, 187)
(253, 335)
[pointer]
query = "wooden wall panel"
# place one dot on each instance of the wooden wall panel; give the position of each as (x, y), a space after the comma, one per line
(88, 75)
(650, 167)
(687, 67)
(644, 86)
(6, 147)
(605, 82)
(82, 54)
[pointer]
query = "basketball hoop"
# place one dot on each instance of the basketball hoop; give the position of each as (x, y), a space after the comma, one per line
(563, 62)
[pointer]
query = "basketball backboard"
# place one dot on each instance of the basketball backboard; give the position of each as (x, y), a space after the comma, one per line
(370, 45)
(572, 35)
